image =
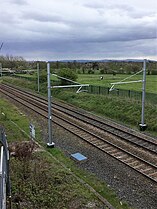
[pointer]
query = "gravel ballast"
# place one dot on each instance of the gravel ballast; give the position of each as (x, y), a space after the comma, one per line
(130, 186)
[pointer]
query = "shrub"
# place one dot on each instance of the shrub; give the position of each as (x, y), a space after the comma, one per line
(67, 73)
(154, 72)
(43, 76)
(102, 71)
(90, 71)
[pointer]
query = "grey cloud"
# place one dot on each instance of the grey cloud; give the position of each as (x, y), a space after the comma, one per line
(94, 5)
(19, 2)
(122, 7)
(108, 33)
(69, 50)
(7, 18)
(38, 16)
(91, 30)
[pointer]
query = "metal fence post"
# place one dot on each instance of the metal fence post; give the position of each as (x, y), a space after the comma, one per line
(129, 93)
(118, 92)
(5, 189)
(38, 75)
(108, 90)
(1, 69)
(99, 89)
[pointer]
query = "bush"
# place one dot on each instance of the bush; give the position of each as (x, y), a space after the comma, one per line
(154, 72)
(102, 71)
(67, 73)
(90, 71)
(43, 76)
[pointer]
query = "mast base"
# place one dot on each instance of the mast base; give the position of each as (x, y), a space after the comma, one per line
(142, 127)
(51, 145)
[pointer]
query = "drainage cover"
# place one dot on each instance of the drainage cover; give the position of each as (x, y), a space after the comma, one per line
(78, 156)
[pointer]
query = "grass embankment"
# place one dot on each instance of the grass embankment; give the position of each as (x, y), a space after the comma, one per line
(124, 110)
(39, 180)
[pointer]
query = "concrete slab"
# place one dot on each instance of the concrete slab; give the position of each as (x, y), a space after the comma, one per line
(78, 156)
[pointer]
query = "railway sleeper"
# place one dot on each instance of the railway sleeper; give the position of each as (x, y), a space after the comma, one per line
(123, 157)
(93, 141)
(109, 149)
(129, 160)
(103, 146)
(140, 166)
(83, 135)
(75, 131)
(133, 163)
(153, 174)
(104, 149)
(101, 143)
(113, 151)
(116, 155)
(145, 144)
(147, 171)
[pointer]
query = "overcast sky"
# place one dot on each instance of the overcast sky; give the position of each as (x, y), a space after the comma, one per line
(79, 29)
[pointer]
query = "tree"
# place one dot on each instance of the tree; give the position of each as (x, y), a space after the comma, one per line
(95, 66)
(57, 64)
(13, 62)
(43, 76)
(67, 73)
(135, 68)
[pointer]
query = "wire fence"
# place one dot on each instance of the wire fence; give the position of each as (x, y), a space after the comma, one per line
(25, 77)
(137, 95)
(101, 90)
(4, 170)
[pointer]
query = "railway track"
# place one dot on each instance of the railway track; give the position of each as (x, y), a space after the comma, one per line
(131, 148)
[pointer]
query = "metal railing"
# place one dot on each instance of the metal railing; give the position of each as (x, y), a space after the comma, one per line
(5, 190)
(137, 95)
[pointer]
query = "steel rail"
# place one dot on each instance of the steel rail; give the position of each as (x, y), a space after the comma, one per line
(109, 128)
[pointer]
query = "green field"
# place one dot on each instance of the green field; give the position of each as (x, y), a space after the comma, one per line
(151, 81)
(94, 79)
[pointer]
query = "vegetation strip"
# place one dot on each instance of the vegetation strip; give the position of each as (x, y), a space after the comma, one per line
(102, 199)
